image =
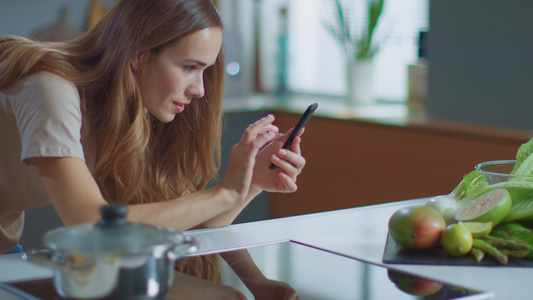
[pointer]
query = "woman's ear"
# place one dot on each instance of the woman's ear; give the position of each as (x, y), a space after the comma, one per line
(138, 58)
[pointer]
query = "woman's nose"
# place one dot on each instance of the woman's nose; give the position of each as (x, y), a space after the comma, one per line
(196, 89)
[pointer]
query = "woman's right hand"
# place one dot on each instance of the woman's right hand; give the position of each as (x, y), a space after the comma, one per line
(241, 163)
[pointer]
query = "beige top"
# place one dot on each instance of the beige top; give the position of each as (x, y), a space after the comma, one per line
(40, 116)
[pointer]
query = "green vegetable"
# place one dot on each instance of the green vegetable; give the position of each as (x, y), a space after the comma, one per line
(475, 184)
(514, 231)
(523, 153)
(477, 254)
(515, 253)
(472, 185)
(507, 244)
(490, 250)
(524, 169)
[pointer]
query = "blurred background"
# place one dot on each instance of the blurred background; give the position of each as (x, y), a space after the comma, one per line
(270, 45)
(465, 64)
(478, 52)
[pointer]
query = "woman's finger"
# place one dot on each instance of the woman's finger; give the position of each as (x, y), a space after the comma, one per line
(290, 185)
(295, 147)
(260, 129)
(290, 162)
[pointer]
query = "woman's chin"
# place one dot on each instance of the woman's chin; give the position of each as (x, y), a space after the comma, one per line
(165, 118)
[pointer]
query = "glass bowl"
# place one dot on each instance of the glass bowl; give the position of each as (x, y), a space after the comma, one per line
(500, 171)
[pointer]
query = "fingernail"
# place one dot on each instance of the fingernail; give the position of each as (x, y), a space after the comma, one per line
(282, 152)
(276, 158)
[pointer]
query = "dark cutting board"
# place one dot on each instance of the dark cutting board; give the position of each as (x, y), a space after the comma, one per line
(396, 254)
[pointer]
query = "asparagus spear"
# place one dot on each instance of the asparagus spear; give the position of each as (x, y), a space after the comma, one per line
(507, 244)
(478, 254)
(490, 250)
(515, 253)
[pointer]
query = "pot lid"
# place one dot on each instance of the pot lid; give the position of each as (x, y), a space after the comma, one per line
(113, 233)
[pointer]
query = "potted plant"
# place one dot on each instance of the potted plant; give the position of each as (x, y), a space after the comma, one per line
(358, 49)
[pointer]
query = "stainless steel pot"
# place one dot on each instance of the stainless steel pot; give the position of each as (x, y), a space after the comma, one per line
(113, 259)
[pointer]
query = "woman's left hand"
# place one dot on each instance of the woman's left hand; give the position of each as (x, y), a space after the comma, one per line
(289, 164)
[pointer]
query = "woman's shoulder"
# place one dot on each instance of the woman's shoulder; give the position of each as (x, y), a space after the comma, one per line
(47, 87)
(49, 81)
(40, 82)
(45, 92)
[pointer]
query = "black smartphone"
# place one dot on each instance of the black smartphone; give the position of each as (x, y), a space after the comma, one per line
(301, 123)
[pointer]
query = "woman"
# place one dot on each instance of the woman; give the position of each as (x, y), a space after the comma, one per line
(130, 112)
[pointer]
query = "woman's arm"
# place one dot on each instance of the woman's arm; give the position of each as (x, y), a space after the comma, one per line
(77, 198)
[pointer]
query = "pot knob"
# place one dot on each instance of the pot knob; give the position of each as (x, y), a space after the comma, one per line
(113, 215)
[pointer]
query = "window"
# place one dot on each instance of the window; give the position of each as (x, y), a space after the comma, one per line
(315, 61)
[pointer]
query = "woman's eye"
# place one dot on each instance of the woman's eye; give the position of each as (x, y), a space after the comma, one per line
(190, 68)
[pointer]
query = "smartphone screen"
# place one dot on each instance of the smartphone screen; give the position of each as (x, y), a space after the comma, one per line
(301, 123)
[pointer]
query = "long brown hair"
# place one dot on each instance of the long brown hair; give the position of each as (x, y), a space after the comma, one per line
(138, 158)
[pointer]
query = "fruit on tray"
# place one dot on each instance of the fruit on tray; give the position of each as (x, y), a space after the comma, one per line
(478, 229)
(416, 227)
(457, 240)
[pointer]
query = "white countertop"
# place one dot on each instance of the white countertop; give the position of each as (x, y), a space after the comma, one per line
(357, 232)
(362, 233)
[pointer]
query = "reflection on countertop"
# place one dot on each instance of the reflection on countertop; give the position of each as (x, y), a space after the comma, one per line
(292, 271)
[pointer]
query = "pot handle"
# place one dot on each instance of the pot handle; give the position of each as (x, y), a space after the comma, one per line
(188, 246)
(43, 257)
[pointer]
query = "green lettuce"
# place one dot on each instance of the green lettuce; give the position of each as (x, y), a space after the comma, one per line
(514, 231)
(523, 153)
(525, 168)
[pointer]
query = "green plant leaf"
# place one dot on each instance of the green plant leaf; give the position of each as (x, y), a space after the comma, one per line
(356, 49)
(374, 12)
(342, 21)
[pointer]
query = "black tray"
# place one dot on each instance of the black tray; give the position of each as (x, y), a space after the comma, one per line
(396, 254)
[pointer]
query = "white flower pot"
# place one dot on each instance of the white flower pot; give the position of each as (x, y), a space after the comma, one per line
(360, 83)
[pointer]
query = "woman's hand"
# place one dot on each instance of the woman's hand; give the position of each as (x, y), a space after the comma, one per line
(243, 155)
(248, 170)
(289, 164)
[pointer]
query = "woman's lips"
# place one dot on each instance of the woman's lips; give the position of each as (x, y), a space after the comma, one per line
(179, 107)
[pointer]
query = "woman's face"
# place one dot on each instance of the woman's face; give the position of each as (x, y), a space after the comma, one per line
(173, 77)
